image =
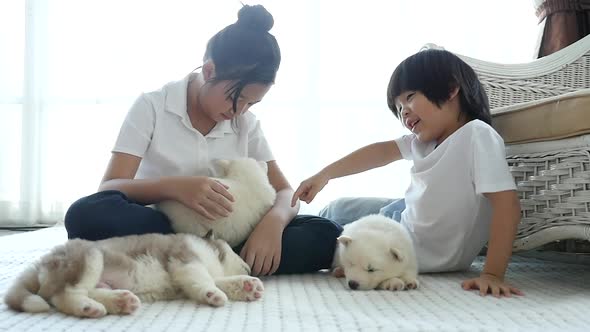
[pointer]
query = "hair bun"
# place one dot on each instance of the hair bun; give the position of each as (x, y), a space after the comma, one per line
(255, 17)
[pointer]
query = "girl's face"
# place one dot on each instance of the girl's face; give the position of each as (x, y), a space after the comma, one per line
(218, 105)
(425, 119)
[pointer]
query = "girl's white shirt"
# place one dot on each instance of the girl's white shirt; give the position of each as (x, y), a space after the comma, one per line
(158, 129)
(446, 211)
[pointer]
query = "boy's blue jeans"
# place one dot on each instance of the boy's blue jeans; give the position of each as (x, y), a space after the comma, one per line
(308, 242)
(349, 209)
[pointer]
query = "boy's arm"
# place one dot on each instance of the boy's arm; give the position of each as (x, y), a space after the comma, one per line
(363, 159)
(505, 219)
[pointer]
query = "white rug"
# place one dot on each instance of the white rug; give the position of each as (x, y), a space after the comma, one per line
(557, 298)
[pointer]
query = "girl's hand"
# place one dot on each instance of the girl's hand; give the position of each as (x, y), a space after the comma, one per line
(204, 195)
(309, 188)
(488, 283)
(262, 250)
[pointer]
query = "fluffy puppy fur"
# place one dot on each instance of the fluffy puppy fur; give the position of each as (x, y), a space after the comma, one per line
(376, 252)
(248, 182)
(92, 278)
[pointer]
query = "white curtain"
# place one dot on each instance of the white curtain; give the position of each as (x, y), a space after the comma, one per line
(69, 70)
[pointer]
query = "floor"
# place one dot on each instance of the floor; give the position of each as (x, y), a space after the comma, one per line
(557, 296)
(554, 256)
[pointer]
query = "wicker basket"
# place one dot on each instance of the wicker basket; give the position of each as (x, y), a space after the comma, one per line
(554, 191)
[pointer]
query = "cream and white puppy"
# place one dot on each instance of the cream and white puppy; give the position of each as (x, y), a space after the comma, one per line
(92, 278)
(376, 252)
(253, 194)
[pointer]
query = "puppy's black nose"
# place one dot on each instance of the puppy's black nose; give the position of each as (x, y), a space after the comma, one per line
(353, 284)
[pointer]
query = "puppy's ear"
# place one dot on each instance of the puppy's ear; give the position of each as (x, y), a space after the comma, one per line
(345, 240)
(209, 235)
(221, 255)
(397, 255)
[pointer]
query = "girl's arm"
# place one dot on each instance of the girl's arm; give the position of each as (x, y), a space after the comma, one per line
(363, 159)
(282, 211)
(262, 250)
(120, 175)
(505, 219)
(200, 193)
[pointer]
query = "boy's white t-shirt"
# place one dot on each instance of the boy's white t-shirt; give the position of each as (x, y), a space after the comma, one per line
(158, 129)
(446, 212)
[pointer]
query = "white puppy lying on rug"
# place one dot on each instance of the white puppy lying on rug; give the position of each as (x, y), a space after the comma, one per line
(376, 252)
(253, 194)
(92, 278)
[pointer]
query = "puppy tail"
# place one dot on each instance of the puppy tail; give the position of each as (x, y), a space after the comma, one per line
(22, 295)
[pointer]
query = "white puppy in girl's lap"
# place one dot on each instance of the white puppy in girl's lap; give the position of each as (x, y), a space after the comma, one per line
(248, 183)
(376, 252)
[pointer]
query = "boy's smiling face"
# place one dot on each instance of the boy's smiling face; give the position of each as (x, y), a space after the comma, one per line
(425, 119)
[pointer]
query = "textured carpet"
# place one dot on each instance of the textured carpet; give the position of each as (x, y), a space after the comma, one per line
(557, 298)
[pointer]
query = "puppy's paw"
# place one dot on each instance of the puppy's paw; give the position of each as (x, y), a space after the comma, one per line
(89, 309)
(242, 288)
(412, 284)
(214, 297)
(393, 284)
(252, 288)
(123, 302)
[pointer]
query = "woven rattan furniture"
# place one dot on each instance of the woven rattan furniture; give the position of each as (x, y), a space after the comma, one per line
(552, 175)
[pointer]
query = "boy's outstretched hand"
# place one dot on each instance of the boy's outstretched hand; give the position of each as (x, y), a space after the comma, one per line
(309, 188)
(487, 283)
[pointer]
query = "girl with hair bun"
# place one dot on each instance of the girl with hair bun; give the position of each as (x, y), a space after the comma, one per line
(170, 138)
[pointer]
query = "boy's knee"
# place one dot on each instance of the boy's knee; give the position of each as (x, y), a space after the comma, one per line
(331, 210)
